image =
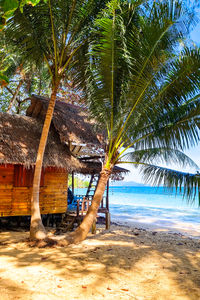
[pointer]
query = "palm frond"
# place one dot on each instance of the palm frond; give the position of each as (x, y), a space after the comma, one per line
(30, 32)
(109, 65)
(160, 155)
(174, 128)
(181, 181)
(155, 43)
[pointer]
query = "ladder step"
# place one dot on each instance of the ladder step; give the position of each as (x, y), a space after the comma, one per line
(92, 185)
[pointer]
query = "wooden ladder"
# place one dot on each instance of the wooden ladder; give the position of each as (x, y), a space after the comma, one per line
(92, 185)
(88, 197)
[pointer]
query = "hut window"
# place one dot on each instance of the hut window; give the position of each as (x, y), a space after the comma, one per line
(24, 177)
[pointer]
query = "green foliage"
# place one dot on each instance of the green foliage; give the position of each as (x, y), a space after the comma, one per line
(8, 7)
(3, 79)
(78, 183)
(53, 33)
(126, 58)
(32, 83)
(171, 178)
(19, 77)
(143, 87)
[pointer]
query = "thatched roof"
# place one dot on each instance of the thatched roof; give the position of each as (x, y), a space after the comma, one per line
(71, 121)
(74, 126)
(92, 167)
(95, 168)
(19, 140)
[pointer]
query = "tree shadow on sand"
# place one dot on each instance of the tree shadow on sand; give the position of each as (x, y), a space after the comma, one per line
(144, 259)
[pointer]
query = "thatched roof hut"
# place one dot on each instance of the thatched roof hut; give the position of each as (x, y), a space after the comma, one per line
(19, 140)
(71, 121)
(75, 128)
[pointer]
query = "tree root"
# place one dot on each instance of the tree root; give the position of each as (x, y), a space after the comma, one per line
(50, 242)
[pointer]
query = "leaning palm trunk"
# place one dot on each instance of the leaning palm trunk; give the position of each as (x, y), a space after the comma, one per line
(81, 232)
(37, 230)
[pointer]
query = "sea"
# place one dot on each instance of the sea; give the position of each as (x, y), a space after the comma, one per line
(154, 208)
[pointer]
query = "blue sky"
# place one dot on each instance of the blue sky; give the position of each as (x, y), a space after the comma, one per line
(193, 153)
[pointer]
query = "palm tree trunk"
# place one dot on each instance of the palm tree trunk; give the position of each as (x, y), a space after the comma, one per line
(82, 231)
(37, 230)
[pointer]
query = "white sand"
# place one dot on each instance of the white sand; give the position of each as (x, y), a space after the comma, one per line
(122, 263)
(190, 230)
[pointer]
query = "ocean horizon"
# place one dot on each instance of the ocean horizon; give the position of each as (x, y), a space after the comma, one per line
(153, 207)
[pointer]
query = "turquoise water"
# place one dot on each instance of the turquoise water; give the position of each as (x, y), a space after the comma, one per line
(155, 207)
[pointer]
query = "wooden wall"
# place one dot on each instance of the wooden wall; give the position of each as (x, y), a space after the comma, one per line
(16, 187)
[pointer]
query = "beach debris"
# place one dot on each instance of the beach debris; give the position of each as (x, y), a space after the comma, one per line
(44, 258)
(125, 290)
(59, 286)
(95, 249)
(109, 289)
(154, 232)
(136, 233)
(179, 244)
(84, 287)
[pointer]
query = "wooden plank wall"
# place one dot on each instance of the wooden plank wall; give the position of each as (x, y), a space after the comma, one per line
(15, 200)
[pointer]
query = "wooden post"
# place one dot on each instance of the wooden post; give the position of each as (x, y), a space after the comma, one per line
(107, 196)
(107, 220)
(48, 220)
(73, 182)
(107, 207)
(78, 207)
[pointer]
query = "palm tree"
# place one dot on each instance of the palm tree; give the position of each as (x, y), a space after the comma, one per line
(52, 32)
(142, 88)
(7, 9)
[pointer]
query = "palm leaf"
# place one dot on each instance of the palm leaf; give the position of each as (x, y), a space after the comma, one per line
(160, 155)
(189, 183)
(175, 128)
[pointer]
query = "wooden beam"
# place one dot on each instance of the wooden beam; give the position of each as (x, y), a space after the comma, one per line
(76, 149)
(73, 148)
(73, 182)
(91, 157)
(70, 146)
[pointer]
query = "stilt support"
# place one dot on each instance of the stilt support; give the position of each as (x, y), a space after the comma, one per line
(107, 220)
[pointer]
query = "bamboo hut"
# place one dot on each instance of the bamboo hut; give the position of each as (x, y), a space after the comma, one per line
(19, 140)
(78, 131)
(73, 146)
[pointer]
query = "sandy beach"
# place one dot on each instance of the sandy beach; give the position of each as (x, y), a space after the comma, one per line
(122, 263)
(189, 230)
